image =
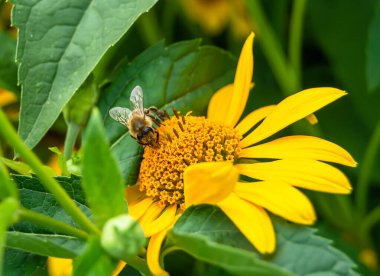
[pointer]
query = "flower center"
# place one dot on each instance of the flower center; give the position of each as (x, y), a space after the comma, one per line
(183, 140)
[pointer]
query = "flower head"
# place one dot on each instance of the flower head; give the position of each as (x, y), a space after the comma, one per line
(199, 162)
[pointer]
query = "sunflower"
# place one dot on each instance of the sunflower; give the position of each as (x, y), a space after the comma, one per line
(201, 160)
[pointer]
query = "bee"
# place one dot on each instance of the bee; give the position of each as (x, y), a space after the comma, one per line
(139, 121)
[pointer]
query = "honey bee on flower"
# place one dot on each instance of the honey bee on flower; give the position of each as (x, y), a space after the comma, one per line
(140, 120)
(199, 162)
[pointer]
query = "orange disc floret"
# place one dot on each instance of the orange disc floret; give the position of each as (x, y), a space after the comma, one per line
(184, 141)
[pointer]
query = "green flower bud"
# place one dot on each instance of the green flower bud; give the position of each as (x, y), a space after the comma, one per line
(122, 237)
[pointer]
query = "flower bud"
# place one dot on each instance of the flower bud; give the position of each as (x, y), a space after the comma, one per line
(122, 237)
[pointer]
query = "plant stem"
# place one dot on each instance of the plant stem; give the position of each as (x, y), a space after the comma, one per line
(148, 26)
(366, 167)
(71, 137)
(51, 223)
(368, 222)
(295, 39)
(285, 75)
(139, 264)
(10, 135)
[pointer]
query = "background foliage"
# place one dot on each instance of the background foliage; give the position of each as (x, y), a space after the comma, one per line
(92, 53)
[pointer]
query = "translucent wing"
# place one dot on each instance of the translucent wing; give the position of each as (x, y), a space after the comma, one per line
(120, 114)
(137, 99)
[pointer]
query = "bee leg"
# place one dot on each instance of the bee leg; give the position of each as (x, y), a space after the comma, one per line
(133, 137)
(157, 136)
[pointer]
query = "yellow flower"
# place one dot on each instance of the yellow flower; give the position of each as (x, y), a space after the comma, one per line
(200, 162)
(213, 16)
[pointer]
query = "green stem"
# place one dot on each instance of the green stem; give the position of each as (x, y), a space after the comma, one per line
(10, 135)
(366, 167)
(71, 137)
(284, 74)
(148, 26)
(139, 264)
(295, 40)
(51, 223)
(368, 222)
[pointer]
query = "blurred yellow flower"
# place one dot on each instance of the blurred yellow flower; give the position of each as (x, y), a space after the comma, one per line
(198, 162)
(7, 97)
(214, 16)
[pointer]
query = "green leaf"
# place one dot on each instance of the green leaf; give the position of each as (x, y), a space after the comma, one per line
(8, 67)
(295, 244)
(303, 243)
(17, 262)
(59, 44)
(33, 196)
(102, 180)
(45, 244)
(94, 261)
(23, 168)
(234, 260)
(17, 166)
(373, 52)
(8, 208)
(183, 75)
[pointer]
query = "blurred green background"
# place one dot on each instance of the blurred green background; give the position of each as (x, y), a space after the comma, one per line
(299, 44)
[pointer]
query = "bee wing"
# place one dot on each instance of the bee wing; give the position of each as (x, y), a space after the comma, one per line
(120, 114)
(137, 99)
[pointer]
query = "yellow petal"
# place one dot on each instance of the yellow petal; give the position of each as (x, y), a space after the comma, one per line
(252, 221)
(153, 253)
(119, 268)
(154, 248)
(309, 174)
(253, 118)
(59, 266)
(242, 83)
(163, 221)
(150, 215)
(292, 109)
(138, 209)
(133, 194)
(209, 182)
(218, 106)
(312, 119)
(279, 198)
(299, 146)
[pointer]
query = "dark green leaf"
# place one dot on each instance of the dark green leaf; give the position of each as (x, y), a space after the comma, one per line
(102, 180)
(46, 245)
(8, 67)
(17, 262)
(298, 245)
(183, 75)
(8, 208)
(59, 44)
(373, 52)
(298, 249)
(94, 261)
(33, 196)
